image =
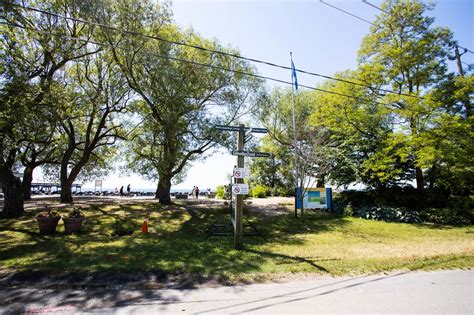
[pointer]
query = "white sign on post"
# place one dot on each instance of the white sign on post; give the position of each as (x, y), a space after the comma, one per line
(241, 172)
(240, 189)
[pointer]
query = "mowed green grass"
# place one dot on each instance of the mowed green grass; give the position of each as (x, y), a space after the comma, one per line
(176, 243)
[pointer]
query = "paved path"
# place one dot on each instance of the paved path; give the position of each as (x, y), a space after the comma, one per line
(402, 292)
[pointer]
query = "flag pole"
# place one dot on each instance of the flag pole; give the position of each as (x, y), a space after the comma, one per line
(293, 74)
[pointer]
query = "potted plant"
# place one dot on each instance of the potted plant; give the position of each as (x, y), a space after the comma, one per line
(48, 221)
(73, 222)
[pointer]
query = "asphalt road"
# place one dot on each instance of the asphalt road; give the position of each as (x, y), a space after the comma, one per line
(403, 292)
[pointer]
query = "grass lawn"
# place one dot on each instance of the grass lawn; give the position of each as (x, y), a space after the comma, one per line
(177, 243)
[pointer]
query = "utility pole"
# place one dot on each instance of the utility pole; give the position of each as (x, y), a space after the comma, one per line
(457, 56)
(239, 206)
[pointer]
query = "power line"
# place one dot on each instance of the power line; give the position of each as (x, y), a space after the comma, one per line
(466, 49)
(353, 15)
(374, 6)
(470, 66)
(202, 64)
(211, 50)
(380, 9)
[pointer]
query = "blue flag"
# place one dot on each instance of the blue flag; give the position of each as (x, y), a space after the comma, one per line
(293, 71)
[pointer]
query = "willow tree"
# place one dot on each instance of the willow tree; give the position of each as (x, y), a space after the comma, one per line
(182, 92)
(95, 98)
(33, 56)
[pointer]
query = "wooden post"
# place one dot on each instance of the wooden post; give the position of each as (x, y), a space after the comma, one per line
(239, 211)
(457, 55)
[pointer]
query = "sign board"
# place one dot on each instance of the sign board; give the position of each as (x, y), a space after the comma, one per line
(241, 172)
(316, 198)
(259, 130)
(240, 189)
(251, 154)
(229, 128)
(237, 128)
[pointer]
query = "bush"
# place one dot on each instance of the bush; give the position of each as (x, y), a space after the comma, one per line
(445, 216)
(397, 204)
(259, 191)
(279, 191)
(348, 210)
(220, 192)
(388, 214)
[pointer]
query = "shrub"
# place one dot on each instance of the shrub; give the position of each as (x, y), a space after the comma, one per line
(279, 191)
(48, 212)
(220, 192)
(259, 191)
(388, 214)
(75, 213)
(445, 216)
(348, 210)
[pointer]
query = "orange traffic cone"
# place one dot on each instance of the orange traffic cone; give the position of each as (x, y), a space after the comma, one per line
(145, 226)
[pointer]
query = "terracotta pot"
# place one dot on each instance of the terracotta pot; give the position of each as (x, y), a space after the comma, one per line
(72, 225)
(47, 225)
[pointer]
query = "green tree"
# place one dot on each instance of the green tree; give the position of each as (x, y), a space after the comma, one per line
(179, 100)
(313, 149)
(32, 57)
(276, 171)
(355, 124)
(409, 56)
(92, 126)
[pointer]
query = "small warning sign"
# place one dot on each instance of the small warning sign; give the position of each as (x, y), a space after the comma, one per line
(240, 189)
(241, 172)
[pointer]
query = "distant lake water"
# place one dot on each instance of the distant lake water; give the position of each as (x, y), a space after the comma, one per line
(181, 190)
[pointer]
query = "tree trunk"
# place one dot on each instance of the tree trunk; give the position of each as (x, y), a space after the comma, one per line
(66, 182)
(66, 191)
(420, 187)
(163, 190)
(12, 189)
(321, 182)
(26, 183)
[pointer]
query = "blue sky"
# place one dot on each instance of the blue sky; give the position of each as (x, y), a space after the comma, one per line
(322, 40)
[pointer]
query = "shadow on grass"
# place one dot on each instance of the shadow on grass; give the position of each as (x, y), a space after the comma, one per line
(289, 259)
(176, 244)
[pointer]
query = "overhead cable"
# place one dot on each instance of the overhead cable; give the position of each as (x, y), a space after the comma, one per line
(374, 6)
(154, 37)
(203, 65)
(353, 15)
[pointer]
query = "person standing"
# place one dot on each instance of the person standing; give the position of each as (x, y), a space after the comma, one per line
(197, 192)
(121, 191)
(128, 189)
